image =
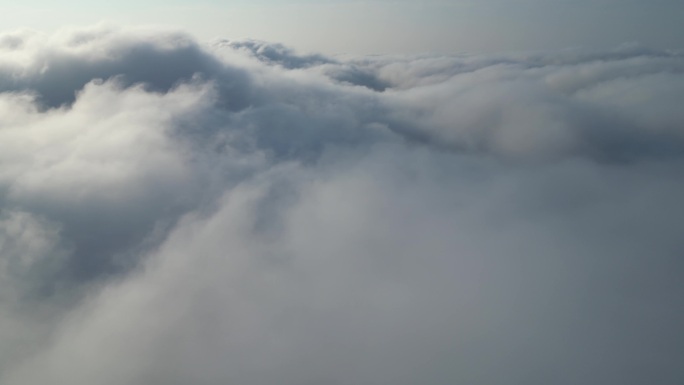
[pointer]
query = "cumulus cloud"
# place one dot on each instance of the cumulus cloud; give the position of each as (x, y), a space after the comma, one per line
(173, 213)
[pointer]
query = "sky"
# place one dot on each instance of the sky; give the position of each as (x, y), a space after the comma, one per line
(382, 26)
(386, 193)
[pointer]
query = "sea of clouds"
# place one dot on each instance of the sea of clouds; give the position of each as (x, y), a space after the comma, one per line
(173, 212)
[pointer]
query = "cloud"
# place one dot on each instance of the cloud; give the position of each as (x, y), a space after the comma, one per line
(176, 213)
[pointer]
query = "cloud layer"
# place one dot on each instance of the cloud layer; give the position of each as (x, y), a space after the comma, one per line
(176, 213)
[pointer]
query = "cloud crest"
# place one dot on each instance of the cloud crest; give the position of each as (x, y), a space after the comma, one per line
(176, 213)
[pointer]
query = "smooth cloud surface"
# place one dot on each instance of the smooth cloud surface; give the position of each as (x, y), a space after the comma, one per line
(173, 213)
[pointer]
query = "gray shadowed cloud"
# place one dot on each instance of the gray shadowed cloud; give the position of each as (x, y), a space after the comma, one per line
(59, 67)
(279, 55)
(176, 213)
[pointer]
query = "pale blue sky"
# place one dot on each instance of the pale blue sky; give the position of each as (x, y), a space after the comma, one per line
(382, 26)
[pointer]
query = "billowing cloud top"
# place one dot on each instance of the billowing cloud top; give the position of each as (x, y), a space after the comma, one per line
(175, 213)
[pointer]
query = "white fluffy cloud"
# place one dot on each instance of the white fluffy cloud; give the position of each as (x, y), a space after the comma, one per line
(174, 213)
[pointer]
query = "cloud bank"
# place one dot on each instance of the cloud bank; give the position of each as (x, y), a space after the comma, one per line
(174, 213)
